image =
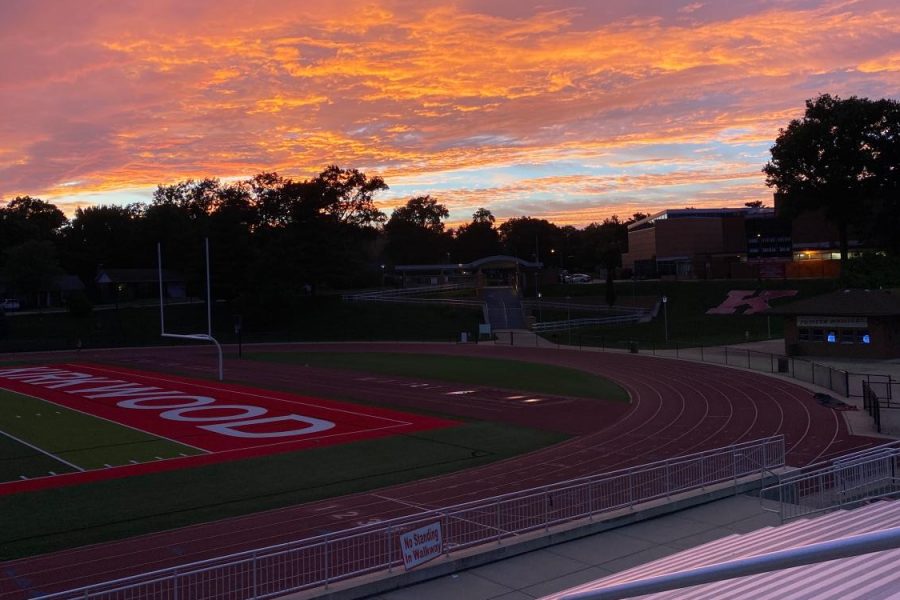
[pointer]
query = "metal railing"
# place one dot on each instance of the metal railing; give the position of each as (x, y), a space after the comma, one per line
(319, 561)
(584, 322)
(839, 381)
(582, 307)
(381, 294)
(845, 481)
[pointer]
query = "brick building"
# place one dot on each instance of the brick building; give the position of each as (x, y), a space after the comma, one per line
(739, 243)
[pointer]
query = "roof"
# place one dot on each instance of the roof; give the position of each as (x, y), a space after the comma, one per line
(506, 261)
(67, 283)
(136, 275)
(847, 303)
(703, 213)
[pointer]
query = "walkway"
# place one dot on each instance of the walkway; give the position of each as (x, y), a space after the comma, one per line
(559, 567)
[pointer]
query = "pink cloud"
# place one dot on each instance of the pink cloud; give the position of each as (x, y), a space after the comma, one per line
(115, 95)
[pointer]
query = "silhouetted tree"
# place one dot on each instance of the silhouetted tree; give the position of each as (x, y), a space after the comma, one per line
(529, 238)
(25, 219)
(104, 235)
(840, 158)
(476, 239)
(31, 267)
(415, 232)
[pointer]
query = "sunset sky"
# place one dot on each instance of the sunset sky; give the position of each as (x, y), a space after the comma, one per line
(569, 111)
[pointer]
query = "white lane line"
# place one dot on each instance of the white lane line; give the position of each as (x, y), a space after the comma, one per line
(41, 450)
(460, 392)
(422, 507)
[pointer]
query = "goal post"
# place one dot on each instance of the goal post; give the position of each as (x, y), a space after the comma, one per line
(206, 337)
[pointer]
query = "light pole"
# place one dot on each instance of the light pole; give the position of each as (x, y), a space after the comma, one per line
(540, 311)
(569, 317)
(665, 301)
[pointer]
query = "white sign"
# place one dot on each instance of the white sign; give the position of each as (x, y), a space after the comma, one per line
(421, 545)
(849, 322)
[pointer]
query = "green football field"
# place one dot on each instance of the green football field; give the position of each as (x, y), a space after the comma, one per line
(39, 438)
(495, 372)
(52, 519)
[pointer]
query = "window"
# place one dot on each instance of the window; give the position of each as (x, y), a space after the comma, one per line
(831, 337)
(864, 337)
(803, 334)
(848, 336)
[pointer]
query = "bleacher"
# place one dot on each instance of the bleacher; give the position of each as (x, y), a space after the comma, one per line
(868, 576)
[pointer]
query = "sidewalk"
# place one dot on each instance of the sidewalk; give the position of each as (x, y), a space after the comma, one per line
(553, 569)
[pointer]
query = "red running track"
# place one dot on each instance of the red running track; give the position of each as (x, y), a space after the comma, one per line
(678, 407)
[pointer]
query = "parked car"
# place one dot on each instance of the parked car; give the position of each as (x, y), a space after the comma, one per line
(578, 278)
(9, 304)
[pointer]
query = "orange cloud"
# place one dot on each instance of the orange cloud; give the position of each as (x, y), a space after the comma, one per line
(681, 104)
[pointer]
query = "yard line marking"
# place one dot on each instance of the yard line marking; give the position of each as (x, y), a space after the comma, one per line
(42, 451)
(162, 437)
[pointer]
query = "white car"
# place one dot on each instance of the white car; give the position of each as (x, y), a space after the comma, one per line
(9, 304)
(578, 278)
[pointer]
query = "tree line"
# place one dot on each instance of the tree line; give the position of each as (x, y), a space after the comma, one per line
(274, 237)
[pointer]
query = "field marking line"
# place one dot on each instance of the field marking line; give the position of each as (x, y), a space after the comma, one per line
(42, 451)
(87, 414)
(422, 507)
(205, 386)
(305, 440)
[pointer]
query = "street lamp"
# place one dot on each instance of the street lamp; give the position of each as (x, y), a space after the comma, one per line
(665, 301)
(540, 311)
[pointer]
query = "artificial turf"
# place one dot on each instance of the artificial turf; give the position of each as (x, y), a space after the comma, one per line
(494, 372)
(83, 440)
(53, 519)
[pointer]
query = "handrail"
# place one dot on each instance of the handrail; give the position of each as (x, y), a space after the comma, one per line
(428, 289)
(645, 482)
(870, 474)
(582, 322)
(856, 545)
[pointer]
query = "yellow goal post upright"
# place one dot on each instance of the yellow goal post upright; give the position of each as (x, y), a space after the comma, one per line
(206, 337)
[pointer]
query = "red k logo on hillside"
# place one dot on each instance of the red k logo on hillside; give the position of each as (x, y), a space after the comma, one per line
(208, 416)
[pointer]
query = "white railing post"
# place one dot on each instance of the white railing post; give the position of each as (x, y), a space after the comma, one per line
(734, 468)
(390, 552)
(590, 495)
(630, 488)
(546, 510)
(668, 480)
(327, 552)
(253, 567)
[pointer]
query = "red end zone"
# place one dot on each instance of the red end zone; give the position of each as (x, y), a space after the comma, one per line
(225, 420)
